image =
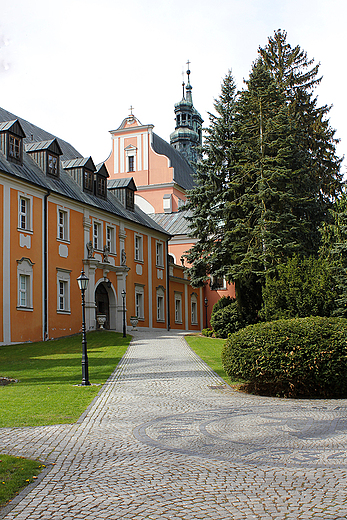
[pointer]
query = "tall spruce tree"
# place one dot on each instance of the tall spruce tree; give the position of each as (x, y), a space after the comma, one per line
(297, 77)
(207, 200)
(268, 175)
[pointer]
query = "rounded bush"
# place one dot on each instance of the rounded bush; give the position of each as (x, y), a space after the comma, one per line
(300, 357)
(207, 332)
(226, 320)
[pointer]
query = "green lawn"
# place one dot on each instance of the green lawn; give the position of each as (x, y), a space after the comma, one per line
(15, 474)
(209, 349)
(48, 372)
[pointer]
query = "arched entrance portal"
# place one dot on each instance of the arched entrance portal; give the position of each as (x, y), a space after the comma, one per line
(102, 303)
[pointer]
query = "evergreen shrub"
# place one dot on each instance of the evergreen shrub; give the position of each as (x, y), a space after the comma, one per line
(300, 357)
(207, 332)
(226, 317)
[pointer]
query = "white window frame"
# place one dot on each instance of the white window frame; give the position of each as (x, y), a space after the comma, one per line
(63, 281)
(25, 273)
(194, 305)
(139, 302)
(160, 304)
(63, 228)
(111, 239)
(178, 308)
(138, 248)
(159, 254)
(97, 235)
(26, 214)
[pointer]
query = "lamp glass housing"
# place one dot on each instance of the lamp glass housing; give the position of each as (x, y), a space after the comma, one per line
(82, 281)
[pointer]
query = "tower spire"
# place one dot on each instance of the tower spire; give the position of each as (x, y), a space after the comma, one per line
(189, 87)
(187, 136)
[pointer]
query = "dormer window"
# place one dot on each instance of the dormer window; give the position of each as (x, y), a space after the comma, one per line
(11, 140)
(52, 166)
(101, 176)
(101, 188)
(88, 180)
(15, 147)
(46, 155)
(82, 171)
(124, 190)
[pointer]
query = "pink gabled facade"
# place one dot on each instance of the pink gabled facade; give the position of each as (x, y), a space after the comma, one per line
(161, 175)
(133, 155)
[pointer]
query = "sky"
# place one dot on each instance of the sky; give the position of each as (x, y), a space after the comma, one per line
(75, 67)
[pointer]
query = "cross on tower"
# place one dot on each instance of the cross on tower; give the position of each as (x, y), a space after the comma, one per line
(131, 110)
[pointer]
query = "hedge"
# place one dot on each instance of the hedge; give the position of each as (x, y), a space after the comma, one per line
(300, 357)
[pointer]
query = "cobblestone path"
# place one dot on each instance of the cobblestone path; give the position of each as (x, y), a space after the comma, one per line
(166, 438)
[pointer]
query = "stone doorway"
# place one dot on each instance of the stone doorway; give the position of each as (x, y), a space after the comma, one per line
(102, 304)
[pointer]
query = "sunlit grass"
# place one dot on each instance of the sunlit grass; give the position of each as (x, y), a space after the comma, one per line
(209, 350)
(15, 474)
(48, 374)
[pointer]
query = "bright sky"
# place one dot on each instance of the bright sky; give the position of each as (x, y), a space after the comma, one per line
(74, 67)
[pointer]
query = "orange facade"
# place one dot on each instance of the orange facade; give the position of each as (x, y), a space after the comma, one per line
(54, 222)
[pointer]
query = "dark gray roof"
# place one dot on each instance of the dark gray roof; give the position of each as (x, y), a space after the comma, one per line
(121, 183)
(65, 185)
(34, 133)
(173, 223)
(39, 145)
(183, 172)
(86, 162)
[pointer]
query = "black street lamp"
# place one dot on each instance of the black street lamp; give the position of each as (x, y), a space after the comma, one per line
(124, 322)
(206, 304)
(82, 281)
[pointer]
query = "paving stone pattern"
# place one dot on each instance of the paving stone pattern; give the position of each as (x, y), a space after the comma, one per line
(166, 438)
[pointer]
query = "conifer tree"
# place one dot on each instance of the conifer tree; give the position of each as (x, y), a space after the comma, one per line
(268, 176)
(297, 77)
(206, 201)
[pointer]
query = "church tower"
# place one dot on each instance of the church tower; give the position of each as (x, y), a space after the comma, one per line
(187, 137)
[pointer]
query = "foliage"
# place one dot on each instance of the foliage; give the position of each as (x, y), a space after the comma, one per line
(48, 374)
(268, 177)
(15, 474)
(301, 287)
(334, 252)
(207, 333)
(209, 350)
(226, 317)
(301, 357)
(224, 301)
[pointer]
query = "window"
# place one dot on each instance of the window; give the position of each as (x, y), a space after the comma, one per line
(129, 199)
(194, 309)
(25, 275)
(138, 248)
(110, 240)
(15, 147)
(24, 285)
(139, 300)
(52, 165)
(24, 213)
(63, 291)
(218, 283)
(97, 235)
(62, 295)
(160, 254)
(88, 180)
(101, 186)
(63, 221)
(131, 163)
(178, 308)
(160, 304)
